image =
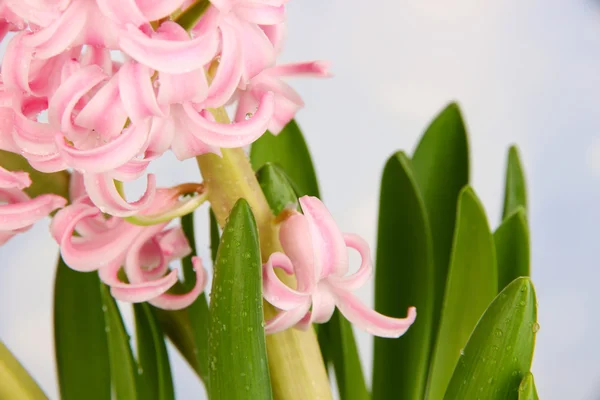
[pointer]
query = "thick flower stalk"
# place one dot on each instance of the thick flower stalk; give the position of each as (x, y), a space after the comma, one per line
(315, 252)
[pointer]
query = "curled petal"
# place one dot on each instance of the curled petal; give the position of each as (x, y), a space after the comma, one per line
(17, 180)
(90, 253)
(294, 235)
(16, 63)
(286, 319)
(157, 9)
(30, 136)
(122, 11)
(261, 14)
(137, 92)
(23, 214)
(62, 104)
(229, 72)
(179, 209)
(107, 157)
(276, 292)
(258, 51)
(132, 170)
(315, 69)
(232, 135)
(179, 88)
(99, 56)
(76, 186)
(47, 163)
(328, 242)
(185, 144)
(136, 292)
(103, 192)
(323, 305)
(276, 34)
(174, 57)
(365, 271)
(169, 301)
(371, 321)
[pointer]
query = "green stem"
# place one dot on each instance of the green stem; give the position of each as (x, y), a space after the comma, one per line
(295, 362)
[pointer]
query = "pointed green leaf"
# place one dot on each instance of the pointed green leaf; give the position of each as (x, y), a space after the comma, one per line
(472, 284)
(288, 150)
(198, 310)
(403, 277)
(441, 168)
(512, 248)
(527, 390)
(155, 370)
(500, 349)
(123, 368)
(79, 336)
(277, 188)
(237, 345)
(16, 382)
(215, 236)
(515, 190)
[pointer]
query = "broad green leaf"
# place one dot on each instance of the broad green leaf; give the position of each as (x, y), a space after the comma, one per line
(336, 337)
(441, 168)
(198, 311)
(214, 236)
(79, 336)
(16, 382)
(527, 390)
(403, 277)
(512, 248)
(277, 188)
(515, 190)
(237, 346)
(472, 284)
(288, 150)
(155, 370)
(123, 368)
(500, 349)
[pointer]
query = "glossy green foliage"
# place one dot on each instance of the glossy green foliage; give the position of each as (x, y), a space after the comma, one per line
(527, 389)
(123, 368)
(238, 367)
(16, 383)
(277, 188)
(79, 336)
(499, 352)
(472, 284)
(403, 277)
(512, 248)
(288, 150)
(441, 168)
(515, 190)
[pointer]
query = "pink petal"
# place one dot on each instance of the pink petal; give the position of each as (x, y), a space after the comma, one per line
(137, 92)
(33, 137)
(286, 319)
(76, 186)
(21, 215)
(328, 242)
(261, 14)
(173, 57)
(258, 52)
(157, 9)
(16, 62)
(365, 271)
(179, 88)
(296, 241)
(276, 34)
(99, 56)
(229, 71)
(371, 321)
(62, 104)
(47, 163)
(276, 292)
(314, 69)
(323, 305)
(109, 156)
(231, 135)
(122, 11)
(58, 36)
(185, 144)
(103, 192)
(18, 180)
(178, 301)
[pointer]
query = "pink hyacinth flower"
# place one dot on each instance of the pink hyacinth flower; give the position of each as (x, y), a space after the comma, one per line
(18, 212)
(316, 252)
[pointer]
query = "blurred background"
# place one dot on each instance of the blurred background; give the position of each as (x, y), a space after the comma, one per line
(523, 72)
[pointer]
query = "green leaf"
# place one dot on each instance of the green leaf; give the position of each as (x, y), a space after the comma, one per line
(500, 349)
(527, 390)
(155, 370)
(197, 311)
(16, 382)
(403, 277)
(79, 336)
(277, 188)
(441, 168)
(123, 368)
(288, 149)
(237, 345)
(214, 236)
(512, 248)
(515, 190)
(472, 285)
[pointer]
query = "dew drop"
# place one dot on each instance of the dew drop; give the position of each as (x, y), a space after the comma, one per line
(498, 332)
(535, 328)
(248, 116)
(140, 370)
(462, 352)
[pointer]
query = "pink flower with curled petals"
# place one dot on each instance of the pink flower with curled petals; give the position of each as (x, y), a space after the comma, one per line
(18, 212)
(316, 252)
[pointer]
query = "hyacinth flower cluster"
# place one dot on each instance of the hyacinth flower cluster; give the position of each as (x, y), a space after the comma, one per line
(102, 88)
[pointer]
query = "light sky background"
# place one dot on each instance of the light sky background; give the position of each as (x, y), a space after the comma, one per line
(524, 72)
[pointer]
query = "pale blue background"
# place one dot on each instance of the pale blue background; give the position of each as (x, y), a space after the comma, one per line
(524, 72)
